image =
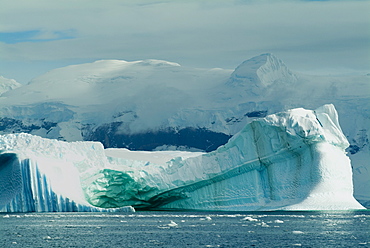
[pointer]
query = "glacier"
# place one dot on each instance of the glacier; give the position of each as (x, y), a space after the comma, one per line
(292, 160)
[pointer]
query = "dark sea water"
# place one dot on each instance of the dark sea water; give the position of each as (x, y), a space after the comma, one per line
(187, 229)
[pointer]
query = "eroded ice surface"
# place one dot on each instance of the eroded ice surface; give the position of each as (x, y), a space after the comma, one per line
(293, 160)
(41, 175)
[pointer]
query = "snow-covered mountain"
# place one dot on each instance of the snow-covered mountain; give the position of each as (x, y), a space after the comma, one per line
(7, 84)
(260, 73)
(156, 105)
(293, 160)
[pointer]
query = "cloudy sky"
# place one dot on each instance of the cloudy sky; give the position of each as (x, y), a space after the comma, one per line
(317, 37)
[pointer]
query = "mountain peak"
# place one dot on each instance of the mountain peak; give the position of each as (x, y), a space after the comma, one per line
(256, 62)
(261, 71)
(7, 84)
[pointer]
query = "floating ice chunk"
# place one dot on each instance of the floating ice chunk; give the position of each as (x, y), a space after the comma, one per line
(172, 224)
(206, 218)
(169, 225)
(263, 224)
(248, 218)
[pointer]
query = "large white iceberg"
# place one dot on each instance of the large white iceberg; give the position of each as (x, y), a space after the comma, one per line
(294, 160)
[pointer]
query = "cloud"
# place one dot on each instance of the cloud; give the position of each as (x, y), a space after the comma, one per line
(197, 33)
(34, 36)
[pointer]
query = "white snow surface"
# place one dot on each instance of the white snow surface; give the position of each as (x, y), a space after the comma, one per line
(293, 160)
(149, 95)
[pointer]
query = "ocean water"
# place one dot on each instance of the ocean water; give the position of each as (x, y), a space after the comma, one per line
(187, 229)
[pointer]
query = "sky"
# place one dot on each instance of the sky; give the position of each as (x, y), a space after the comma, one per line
(329, 37)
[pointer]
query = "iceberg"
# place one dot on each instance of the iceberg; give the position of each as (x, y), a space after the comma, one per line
(293, 160)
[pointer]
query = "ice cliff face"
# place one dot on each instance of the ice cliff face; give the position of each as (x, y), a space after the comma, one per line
(154, 105)
(38, 175)
(293, 160)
